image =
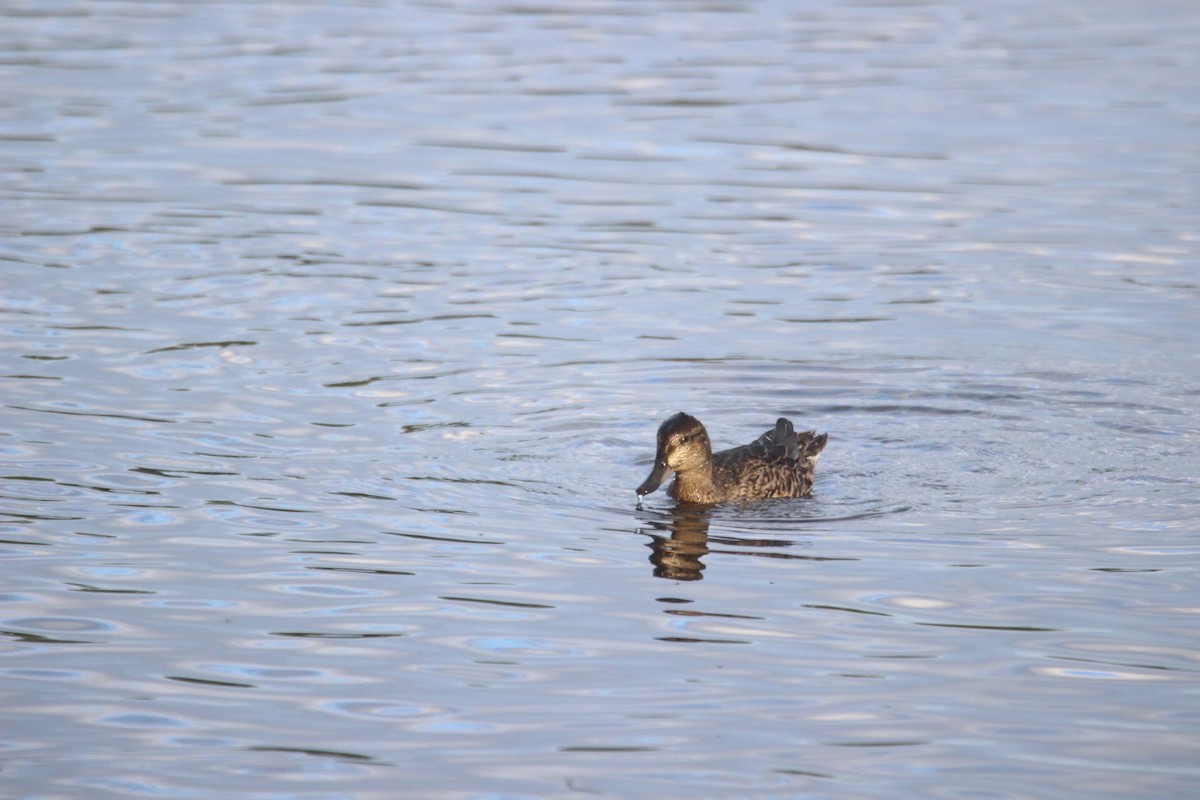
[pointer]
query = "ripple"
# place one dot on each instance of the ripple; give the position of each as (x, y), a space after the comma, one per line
(335, 755)
(480, 674)
(104, 571)
(1084, 673)
(282, 518)
(381, 709)
(458, 727)
(189, 603)
(317, 590)
(130, 787)
(40, 674)
(521, 646)
(149, 518)
(270, 674)
(141, 720)
(62, 624)
(19, 487)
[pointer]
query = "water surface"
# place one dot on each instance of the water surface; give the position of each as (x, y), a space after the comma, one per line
(335, 337)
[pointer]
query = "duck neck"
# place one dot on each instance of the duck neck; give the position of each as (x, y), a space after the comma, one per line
(695, 485)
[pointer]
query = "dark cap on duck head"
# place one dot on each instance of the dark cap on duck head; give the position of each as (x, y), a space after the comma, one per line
(680, 424)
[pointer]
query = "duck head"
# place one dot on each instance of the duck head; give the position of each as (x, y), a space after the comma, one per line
(682, 445)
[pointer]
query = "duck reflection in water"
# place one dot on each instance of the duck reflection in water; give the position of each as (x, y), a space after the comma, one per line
(679, 557)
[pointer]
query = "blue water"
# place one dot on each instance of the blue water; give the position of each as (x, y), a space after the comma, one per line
(334, 339)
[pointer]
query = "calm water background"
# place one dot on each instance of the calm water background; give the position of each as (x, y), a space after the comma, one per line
(335, 337)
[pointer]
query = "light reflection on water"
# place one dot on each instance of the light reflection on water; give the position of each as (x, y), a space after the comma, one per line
(335, 340)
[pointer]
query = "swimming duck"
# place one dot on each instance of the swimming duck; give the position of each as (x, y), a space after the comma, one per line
(780, 463)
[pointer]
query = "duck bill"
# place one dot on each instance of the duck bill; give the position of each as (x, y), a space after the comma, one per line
(657, 476)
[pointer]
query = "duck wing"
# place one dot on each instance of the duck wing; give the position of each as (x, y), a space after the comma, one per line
(781, 446)
(779, 443)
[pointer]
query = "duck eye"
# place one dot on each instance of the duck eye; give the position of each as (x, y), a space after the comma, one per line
(685, 439)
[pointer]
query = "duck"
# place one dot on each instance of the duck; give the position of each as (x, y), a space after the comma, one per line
(780, 463)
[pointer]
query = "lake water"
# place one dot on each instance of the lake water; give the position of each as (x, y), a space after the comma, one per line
(335, 338)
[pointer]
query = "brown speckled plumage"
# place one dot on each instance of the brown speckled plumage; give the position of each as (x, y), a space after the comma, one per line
(780, 463)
